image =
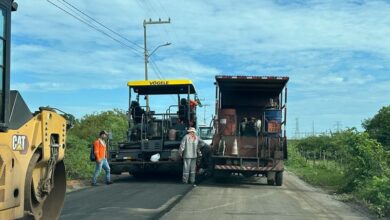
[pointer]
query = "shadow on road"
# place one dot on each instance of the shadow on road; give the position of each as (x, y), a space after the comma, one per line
(150, 178)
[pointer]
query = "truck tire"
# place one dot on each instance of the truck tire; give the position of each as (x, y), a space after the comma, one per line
(139, 175)
(115, 171)
(279, 178)
(270, 182)
(221, 176)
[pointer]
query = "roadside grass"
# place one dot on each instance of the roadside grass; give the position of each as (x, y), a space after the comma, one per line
(319, 173)
(331, 180)
(373, 193)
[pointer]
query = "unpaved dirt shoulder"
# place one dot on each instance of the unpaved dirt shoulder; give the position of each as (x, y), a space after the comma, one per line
(294, 182)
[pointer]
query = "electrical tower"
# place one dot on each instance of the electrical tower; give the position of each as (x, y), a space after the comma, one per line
(312, 129)
(338, 126)
(297, 128)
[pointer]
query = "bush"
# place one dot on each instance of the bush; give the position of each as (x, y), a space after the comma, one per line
(376, 192)
(88, 127)
(365, 157)
(366, 173)
(78, 165)
(80, 138)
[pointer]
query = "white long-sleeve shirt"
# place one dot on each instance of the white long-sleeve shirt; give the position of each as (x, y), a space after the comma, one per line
(189, 147)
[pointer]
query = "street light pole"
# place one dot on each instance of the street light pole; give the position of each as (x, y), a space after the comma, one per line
(146, 56)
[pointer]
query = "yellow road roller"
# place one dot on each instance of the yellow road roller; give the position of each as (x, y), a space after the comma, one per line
(32, 146)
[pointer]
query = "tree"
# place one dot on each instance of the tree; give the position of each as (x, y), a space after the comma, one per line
(80, 137)
(378, 127)
(114, 121)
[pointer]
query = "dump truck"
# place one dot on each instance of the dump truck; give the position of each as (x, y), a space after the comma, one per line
(32, 146)
(250, 136)
(154, 137)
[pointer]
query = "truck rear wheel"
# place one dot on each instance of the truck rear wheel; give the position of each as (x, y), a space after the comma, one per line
(279, 178)
(37, 204)
(221, 176)
(270, 182)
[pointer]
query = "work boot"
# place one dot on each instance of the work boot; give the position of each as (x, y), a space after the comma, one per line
(109, 182)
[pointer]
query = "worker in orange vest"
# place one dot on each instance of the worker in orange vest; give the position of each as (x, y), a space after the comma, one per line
(99, 148)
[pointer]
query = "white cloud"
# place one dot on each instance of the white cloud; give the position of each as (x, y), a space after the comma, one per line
(186, 67)
(337, 53)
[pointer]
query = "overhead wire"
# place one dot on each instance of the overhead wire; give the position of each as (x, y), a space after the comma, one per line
(159, 75)
(93, 19)
(156, 69)
(94, 27)
(164, 12)
(153, 10)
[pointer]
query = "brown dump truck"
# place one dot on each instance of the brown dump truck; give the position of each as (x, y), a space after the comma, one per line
(250, 136)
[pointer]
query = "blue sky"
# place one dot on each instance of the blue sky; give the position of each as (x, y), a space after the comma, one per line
(336, 53)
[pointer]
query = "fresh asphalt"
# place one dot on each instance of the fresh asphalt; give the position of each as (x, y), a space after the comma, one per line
(128, 198)
(160, 197)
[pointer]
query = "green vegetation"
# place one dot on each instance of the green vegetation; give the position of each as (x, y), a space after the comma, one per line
(85, 131)
(378, 127)
(326, 174)
(351, 162)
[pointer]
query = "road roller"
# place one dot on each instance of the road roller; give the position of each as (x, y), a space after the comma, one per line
(32, 146)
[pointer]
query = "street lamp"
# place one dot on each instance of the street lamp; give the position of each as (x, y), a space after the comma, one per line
(147, 56)
(162, 45)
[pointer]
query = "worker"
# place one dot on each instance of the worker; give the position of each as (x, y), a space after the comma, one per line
(243, 125)
(99, 148)
(136, 111)
(183, 110)
(250, 129)
(193, 104)
(189, 151)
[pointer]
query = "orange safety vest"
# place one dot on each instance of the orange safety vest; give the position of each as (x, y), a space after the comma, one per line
(193, 104)
(99, 149)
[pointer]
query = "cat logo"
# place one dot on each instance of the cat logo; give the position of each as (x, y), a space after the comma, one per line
(20, 143)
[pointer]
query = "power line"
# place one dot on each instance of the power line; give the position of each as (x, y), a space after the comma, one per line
(75, 13)
(151, 6)
(159, 74)
(166, 14)
(148, 6)
(155, 69)
(116, 33)
(95, 28)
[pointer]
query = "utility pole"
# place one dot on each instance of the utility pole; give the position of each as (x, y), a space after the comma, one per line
(146, 49)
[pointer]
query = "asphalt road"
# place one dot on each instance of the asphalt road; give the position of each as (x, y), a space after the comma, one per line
(128, 198)
(253, 199)
(238, 198)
